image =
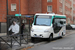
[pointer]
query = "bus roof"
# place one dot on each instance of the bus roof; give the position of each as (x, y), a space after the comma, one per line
(56, 15)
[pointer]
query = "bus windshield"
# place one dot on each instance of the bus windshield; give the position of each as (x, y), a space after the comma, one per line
(44, 20)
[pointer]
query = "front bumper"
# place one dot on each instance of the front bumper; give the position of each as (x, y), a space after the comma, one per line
(39, 35)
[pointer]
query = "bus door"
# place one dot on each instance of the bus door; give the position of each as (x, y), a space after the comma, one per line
(57, 25)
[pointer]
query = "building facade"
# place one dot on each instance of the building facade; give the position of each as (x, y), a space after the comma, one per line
(65, 8)
(31, 7)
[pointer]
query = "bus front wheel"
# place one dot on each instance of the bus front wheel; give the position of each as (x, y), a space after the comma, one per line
(50, 38)
(62, 35)
(32, 39)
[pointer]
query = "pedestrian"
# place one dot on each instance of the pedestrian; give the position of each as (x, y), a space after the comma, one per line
(22, 28)
(14, 28)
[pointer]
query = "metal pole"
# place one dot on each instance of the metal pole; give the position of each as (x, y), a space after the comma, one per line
(20, 23)
(0, 44)
(7, 16)
(29, 25)
(7, 26)
(0, 27)
(19, 16)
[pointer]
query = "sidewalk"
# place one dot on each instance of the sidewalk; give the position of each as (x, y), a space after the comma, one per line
(70, 31)
(3, 34)
(16, 45)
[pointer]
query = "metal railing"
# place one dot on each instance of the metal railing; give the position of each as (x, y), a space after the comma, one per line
(17, 38)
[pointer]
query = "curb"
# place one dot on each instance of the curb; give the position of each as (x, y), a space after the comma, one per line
(30, 46)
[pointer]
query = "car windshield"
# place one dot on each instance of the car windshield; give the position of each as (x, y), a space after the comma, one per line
(44, 20)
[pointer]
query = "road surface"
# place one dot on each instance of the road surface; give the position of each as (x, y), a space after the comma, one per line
(65, 43)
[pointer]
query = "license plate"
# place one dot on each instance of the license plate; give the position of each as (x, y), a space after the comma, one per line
(37, 36)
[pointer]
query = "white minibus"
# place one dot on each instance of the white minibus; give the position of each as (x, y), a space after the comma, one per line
(48, 26)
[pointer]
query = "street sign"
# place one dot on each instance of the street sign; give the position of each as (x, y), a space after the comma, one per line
(17, 14)
(28, 16)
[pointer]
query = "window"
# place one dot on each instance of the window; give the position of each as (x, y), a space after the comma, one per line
(68, 5)
(68, 19)
(13, 7)
(49, 8)
(43, 20)
(70, 0)
(74, 2)
(60, 1)
(60, 9)
(49, 0)
(58, 24)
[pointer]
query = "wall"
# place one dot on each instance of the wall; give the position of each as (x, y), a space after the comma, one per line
(34, 6)
(2, 10)
(24, 7)
(45, 4)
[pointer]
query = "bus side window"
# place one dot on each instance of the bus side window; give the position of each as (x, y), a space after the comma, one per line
(62, 22)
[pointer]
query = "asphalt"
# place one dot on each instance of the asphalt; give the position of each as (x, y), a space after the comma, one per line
(65, 43)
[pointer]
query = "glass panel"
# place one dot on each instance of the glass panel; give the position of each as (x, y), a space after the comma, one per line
(43, 20)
